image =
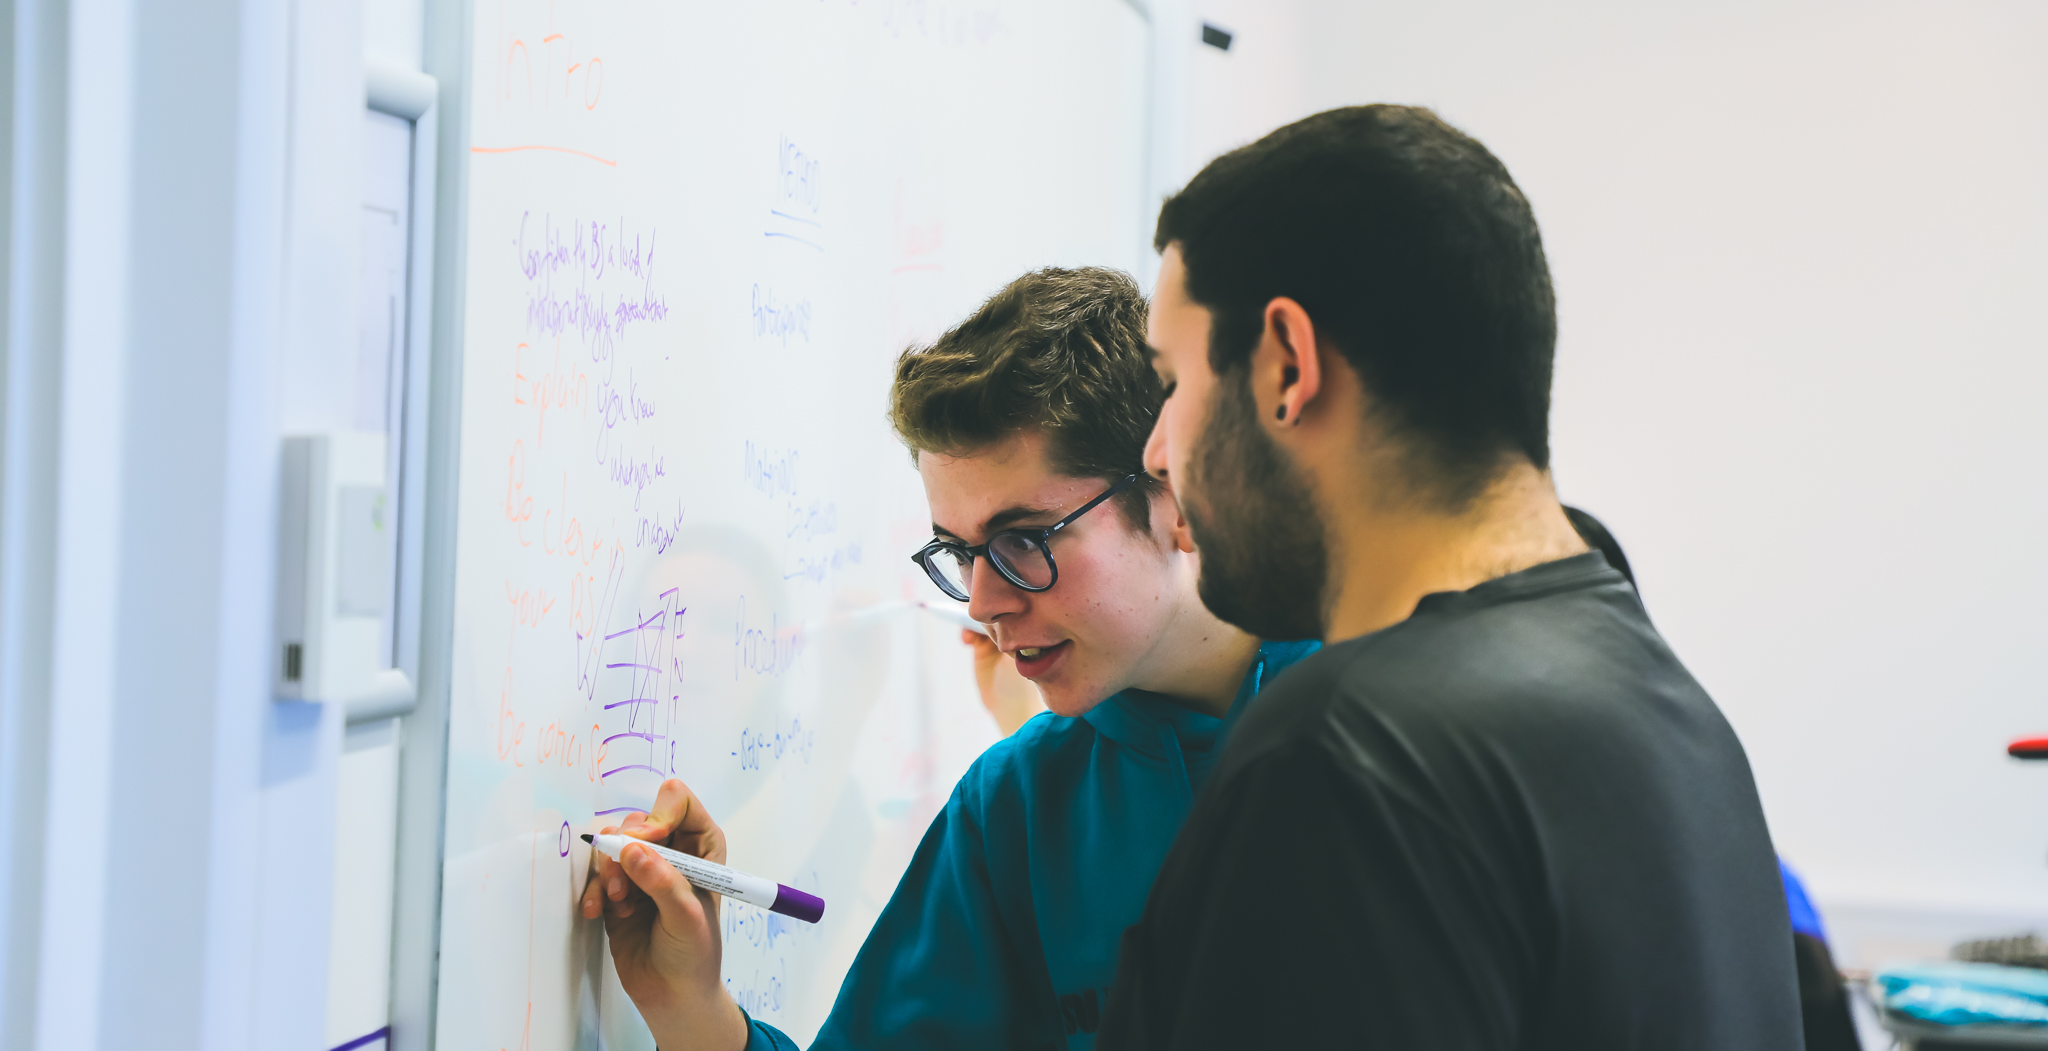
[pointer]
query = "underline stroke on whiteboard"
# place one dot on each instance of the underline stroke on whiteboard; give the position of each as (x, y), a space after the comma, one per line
(549, 149)
(793, 237)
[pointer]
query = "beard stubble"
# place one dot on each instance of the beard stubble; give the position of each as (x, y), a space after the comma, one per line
(1265, 555)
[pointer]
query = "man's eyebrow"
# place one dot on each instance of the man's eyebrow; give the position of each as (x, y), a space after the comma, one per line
(1151, 354)
(1009, 516)
(1000, 521)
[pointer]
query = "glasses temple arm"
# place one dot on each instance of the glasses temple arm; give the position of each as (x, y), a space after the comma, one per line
(1090, 505)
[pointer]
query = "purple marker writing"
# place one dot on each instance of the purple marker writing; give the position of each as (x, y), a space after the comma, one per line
(765, 893)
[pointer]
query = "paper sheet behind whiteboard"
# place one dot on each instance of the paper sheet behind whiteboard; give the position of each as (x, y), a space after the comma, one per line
(698, 237)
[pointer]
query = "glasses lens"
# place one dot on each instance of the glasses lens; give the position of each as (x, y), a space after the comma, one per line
(1024, 558)
(947, 566)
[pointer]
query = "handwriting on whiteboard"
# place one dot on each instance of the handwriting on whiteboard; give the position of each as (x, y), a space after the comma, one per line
(791, 740)
(796, 211)
(778, 319)
(769, 649)
(593, 279)
(769, 470)
(539, 65)
(554, 385)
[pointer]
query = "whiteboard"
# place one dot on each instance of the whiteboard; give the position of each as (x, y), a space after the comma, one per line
(699, 234)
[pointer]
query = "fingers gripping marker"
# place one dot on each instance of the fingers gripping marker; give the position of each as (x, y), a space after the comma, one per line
(732, 883)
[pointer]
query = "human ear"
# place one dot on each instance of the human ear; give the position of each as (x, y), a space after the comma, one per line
(1287, 370)
(1167, 511)
(1183, 535)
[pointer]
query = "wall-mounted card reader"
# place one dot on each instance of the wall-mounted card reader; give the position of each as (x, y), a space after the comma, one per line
(336, 581)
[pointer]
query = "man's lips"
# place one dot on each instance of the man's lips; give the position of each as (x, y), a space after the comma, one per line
(1032, 660)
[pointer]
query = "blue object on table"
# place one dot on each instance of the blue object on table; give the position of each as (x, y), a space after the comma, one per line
(1805, 918)
(1964, 993)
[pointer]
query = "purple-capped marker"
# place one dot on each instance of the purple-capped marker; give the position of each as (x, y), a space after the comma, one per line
(790, 901)
(731, 882)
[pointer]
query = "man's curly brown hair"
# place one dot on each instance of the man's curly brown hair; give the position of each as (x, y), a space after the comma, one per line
(1062, 351)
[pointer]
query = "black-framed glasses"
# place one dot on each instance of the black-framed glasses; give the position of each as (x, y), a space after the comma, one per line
(1022, 556)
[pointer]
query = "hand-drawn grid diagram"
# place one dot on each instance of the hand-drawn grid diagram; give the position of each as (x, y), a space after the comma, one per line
(644, 655)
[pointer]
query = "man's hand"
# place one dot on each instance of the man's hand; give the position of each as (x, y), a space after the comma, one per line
(1008, 696)
(663, 931)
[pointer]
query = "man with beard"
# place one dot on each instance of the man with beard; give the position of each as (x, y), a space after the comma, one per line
(1495, 811)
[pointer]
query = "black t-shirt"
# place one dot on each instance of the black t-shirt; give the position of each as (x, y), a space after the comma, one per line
(1512, 820)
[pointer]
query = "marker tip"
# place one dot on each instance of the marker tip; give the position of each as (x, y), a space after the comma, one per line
(587, 839)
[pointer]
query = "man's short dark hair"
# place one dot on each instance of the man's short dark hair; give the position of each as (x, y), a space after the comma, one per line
(1415, 255)
(1062, 351)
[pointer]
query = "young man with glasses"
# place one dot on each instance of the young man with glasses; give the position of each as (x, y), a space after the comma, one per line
(1028, 423)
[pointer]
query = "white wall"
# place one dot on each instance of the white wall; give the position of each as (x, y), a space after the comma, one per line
(1799, 251)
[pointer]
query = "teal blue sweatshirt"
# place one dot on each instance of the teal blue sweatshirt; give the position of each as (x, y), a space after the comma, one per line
(1004, 930)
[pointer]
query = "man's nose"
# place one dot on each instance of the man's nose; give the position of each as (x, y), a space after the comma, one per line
(1155, 449)
(989, 595)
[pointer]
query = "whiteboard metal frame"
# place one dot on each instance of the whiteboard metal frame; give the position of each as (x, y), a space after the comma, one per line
(440, 221)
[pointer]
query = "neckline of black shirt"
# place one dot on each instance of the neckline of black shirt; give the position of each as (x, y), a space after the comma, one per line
(1546, 578)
